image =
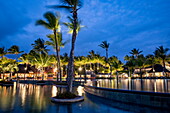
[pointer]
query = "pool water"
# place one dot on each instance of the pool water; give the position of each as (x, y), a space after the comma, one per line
(152, 85)
(29, 98)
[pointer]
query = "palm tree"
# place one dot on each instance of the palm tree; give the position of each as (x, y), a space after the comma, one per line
(105, 46)
(161, 53)
(11, 66)
(135, 52)
(15, 50)
(70, 25)
(53, 24)
(39, 46)
(3, 52)
(52, 41)
(110, 62)
(73, 6)
(40, 60)
(140, 63)
(25, 59)
(151, 60)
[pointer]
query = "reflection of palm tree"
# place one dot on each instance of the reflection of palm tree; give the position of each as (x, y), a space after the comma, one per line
(73, 6)
(161, 53)
(105, 46)
(53, 24)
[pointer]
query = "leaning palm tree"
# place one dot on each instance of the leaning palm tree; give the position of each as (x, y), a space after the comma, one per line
(135, 52)
(15, 50)
(105, 46)
(73, 6)
(52, 23)
(161, 53)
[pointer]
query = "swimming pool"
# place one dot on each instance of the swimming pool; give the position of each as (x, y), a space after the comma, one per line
(29, 98)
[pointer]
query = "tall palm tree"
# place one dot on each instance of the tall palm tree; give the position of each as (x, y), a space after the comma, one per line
(105, 46)
(161, 53)
(52, 23)
(15, 50)
(135, 52)
(73, 6)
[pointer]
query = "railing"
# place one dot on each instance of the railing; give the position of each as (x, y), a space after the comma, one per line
(153, 99)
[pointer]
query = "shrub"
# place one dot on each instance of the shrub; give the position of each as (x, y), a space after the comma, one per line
(66, 95)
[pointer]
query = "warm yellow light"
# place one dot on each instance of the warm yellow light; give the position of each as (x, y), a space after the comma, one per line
(80, 68)
(55, 69)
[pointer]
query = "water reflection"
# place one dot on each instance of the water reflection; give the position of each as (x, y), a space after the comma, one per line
(28, 98)
(154, 85)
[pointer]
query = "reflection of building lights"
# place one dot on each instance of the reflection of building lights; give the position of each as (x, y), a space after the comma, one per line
(54, 91)
(80, 90)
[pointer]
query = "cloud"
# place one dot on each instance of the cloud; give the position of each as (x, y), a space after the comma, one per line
(124, 24)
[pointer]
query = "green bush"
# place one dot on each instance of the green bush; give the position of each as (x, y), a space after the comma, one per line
(66, 95)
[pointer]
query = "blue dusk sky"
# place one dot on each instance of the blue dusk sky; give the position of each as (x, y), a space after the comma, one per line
(125, 24)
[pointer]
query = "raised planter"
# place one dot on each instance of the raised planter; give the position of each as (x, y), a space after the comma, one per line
(77, 99)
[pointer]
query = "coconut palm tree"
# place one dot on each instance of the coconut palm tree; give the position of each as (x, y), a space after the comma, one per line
(161, 53)
(105, 46)
(15, 50)
(40, 60)
(151, 60)
(117, 66)
(135, 52)
(52, 41)
(52, 23)
(39, 46)
(140, 63)
(73, 6)
(110, 61)
(3, 52)
(11, 66)
(70, 25)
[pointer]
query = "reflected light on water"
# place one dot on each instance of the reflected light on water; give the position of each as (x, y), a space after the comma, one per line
(153, 85)
(80, 90)
(54, 91)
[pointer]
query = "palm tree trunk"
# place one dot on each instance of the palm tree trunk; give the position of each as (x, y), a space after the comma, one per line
(58, 55)
(164, 73)
(106, 55)
(140, 73)
(71, 60)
